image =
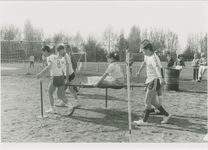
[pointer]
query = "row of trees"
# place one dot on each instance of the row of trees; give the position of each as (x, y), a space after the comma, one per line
(96, 49)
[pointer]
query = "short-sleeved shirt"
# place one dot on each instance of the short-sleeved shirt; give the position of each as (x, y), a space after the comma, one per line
(151, 63)
(158, 61)
(67, 60)
(32, 58)
(57, 66)
(114, 70)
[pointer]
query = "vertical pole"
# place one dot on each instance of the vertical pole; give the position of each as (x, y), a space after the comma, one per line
(128, 90)
(106, 98)
(85, 60)
(41, 98)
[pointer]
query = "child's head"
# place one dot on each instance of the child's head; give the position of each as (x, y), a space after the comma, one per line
(146, 47)
(45, 50)
(179, 56)
(195, 55)
(68, 49)
(112, 57)
(60, 49)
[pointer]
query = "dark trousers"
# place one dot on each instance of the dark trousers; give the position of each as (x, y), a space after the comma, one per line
(195, 73)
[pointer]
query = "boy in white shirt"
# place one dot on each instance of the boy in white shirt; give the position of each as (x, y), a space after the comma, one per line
(56, 70)
(154, 83)
(69, 75)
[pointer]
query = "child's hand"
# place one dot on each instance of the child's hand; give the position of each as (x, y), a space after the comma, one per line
(162, 81)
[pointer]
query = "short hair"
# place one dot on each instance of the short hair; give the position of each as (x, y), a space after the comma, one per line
(145, 44)
(179, 55)
(60, 47)
(113, 55)
(46, 48)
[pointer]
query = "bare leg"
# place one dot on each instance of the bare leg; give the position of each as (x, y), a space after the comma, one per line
(61, 94)
(51, 90)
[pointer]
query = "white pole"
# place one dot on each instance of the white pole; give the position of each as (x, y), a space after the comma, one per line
(85, 60)
(128, 90)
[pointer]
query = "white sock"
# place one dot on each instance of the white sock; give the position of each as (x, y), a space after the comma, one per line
(160, 99)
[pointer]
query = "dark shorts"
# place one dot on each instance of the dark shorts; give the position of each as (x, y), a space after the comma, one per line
(153, 83)
(58, 81)
(71, 77)
(31, 62)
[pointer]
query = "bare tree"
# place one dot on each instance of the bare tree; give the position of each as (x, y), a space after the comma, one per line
(110, 39)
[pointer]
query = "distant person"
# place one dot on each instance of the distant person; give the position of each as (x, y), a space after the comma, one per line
(170, 61)
(32, 59)
(195, 65)
(202, 66)
(180, 63)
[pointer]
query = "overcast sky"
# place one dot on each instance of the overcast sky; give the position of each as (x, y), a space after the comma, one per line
(92, 18)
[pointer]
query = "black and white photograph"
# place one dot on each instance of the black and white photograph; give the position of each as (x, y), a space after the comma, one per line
(79, 73)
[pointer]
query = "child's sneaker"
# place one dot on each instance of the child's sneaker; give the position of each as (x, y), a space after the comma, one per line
(166, 119)
(50, 111)
(70, 109)
(61, 104)
(140, 122)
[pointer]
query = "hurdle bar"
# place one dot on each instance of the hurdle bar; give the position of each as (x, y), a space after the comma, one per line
(106, 87)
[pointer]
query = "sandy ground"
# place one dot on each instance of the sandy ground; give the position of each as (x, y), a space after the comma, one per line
(20, 104)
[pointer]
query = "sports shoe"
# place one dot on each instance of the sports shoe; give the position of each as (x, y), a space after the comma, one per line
(140, 122)
(70, 109)
(77, 104)
(50, 111)
(61, 104)
(166, 119)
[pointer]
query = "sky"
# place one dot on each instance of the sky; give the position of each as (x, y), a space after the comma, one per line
(92, 18)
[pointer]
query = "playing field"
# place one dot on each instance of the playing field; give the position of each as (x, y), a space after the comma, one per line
(92, 122)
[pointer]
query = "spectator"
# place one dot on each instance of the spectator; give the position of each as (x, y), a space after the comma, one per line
(180, 64)
(170, 61)
(195, 65)
(32, 59)
(202, 66)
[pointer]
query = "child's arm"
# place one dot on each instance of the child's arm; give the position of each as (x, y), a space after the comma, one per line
(46, 69)
(67, 68)
(141, 68)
